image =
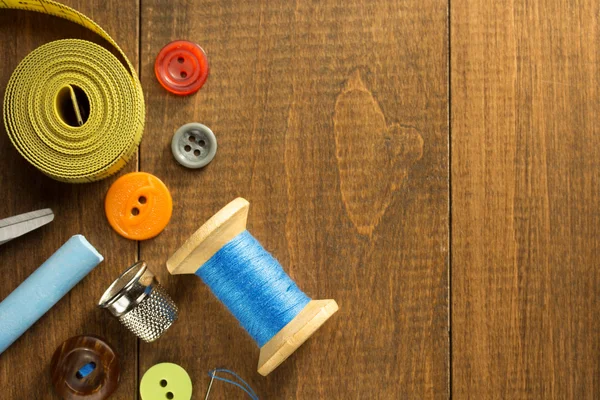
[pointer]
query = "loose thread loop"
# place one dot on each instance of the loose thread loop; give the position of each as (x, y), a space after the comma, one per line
(244, 385)
(253, 286)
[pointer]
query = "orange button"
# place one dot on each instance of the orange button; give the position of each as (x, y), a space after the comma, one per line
(138, 206)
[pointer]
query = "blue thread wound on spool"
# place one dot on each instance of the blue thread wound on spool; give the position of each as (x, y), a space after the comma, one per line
(253, 286)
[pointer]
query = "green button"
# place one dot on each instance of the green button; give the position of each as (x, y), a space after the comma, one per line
(166, 381)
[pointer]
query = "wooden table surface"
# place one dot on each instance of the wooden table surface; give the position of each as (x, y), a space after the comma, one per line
(434, 166)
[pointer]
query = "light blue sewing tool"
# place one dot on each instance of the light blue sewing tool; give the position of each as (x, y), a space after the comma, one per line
(251, 284)
(45, 287)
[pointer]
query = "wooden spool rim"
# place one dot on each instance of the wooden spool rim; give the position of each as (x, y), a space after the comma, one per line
(219, 230)
(226, 224)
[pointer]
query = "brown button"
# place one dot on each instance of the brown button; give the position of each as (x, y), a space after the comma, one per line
(85, 367)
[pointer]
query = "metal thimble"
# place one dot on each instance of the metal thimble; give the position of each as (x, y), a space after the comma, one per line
(140, 303)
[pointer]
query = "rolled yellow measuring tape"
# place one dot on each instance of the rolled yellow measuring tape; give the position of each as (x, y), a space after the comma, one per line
(71, 108)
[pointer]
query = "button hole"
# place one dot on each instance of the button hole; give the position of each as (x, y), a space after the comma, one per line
(201, 143)
(183, 74)
(142, 199)
(180, 60)
(196, 152)
(191, 139)
(163, 382)
(86, 370)
(135, 211)
(187, 147)
(170, 395)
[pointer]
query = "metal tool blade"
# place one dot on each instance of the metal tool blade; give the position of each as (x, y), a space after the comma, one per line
(19, 225)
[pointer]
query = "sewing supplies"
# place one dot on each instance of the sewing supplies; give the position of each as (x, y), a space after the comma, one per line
(251, 284)
(138, 206)
(194, 145)
(166, 381)
(181, 67)
(45, 287)
(141, 304)
(85, 368)
(71, 108)
(16, 226)
(242, 385)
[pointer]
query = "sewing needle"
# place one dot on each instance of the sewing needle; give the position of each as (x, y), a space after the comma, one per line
(210, 385)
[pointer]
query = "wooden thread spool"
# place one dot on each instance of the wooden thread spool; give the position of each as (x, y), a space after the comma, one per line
(219, 230)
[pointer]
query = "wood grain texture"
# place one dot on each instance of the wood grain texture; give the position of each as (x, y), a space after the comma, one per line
(525, 195)
(332, 120)
(323, 111)
(25, 366)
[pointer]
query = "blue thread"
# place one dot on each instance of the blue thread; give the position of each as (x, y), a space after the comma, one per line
(244, 386)
(253, 286)
(86, 370)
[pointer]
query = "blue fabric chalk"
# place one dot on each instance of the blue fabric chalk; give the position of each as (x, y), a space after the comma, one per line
(45, 287)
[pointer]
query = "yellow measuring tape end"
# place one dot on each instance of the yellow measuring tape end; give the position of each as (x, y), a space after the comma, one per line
(71, 108)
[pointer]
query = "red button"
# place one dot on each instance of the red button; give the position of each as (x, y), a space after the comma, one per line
(181, 67)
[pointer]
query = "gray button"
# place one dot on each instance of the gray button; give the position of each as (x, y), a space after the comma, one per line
(194, 145)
